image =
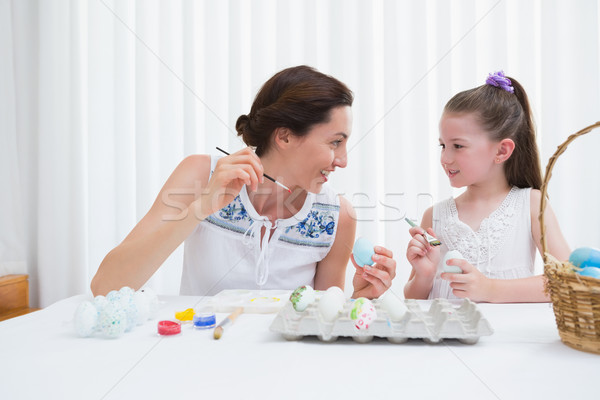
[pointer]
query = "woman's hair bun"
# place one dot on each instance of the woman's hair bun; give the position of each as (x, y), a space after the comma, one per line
(244, 129)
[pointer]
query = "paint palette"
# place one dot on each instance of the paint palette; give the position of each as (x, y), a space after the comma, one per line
(253, 301)
(431, 321)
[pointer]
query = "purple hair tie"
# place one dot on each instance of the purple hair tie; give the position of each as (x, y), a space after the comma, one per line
(498, 79)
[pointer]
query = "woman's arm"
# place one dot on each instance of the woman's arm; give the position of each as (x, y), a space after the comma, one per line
(331, 271)
(186, 198)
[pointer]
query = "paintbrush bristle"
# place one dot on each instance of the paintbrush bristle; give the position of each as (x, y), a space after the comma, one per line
(218, 332)
(435, 243)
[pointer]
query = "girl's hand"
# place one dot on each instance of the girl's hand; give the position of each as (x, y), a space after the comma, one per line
(230, 175)
(423, 257)
(471, 283)
(372, 281)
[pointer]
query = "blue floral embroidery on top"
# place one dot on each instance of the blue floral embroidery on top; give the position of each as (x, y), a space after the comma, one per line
(234, 211)
(314, 225)
(232, 217)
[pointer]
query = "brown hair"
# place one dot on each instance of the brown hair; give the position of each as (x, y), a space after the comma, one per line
(505, 115)
(296, 98)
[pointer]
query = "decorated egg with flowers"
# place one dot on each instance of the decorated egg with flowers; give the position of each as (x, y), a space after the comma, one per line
(302, 297)
(363, 313)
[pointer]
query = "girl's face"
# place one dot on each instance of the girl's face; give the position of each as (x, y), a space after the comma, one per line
(467, 153)
(318, 153)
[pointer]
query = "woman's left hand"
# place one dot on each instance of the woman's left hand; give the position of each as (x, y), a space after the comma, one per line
(470, 284)
(372, 281)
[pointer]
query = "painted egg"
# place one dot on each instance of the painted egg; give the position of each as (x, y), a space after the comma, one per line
(585, 257)
(363, 313)
(302, 297)
(129, 306)
(100, 302)
(363, 251)
(86, 319)
(331, 303)
(112, 321)
(114, 295)
(393, 305)
(127, 291)
(452, 254)
(592, 272)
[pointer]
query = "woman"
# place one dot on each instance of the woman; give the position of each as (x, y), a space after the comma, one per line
(242, 231)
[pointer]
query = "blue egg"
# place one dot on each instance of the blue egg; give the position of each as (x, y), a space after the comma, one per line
(585, 257)
(590, 271)
(363, 251)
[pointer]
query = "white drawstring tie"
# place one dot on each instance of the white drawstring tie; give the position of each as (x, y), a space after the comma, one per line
(261, 246)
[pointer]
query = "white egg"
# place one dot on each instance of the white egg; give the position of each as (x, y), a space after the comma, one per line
(452, 268)
(143, 307)
(393, 305)
(86, 319)
(152, 299)
(330, 305)
(337, 292)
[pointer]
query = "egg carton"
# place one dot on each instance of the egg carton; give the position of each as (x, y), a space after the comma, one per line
(253, 301)
(443, 320)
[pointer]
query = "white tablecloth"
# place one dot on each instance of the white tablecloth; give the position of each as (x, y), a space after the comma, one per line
(41, 357)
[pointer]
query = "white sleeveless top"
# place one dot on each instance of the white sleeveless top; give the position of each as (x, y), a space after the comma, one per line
(225, 251)
(502, 248)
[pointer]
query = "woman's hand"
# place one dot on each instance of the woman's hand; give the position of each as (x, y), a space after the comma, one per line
(471, 283)
(423, 257)
(230, 174)
(372, 281)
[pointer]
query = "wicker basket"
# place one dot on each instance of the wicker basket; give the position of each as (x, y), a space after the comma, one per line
(575, 298)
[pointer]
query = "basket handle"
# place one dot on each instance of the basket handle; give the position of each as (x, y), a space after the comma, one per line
(544, 189)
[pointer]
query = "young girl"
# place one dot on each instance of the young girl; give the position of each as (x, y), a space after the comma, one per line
(245, 232)
(488, 145)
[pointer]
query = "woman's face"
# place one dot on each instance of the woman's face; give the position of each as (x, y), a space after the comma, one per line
(318, 153)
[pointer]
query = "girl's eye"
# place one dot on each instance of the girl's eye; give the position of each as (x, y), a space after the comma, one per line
(443, 146)
(458, 146)
(336, 143)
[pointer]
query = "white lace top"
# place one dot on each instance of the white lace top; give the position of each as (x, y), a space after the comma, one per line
(502, 247)
(226, 250)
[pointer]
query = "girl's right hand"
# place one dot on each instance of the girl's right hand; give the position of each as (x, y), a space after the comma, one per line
(423, 257)
(230, 175)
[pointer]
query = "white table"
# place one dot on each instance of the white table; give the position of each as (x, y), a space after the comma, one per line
(41, 357)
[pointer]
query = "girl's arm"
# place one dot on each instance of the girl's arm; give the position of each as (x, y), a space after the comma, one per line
(555, 241)
(423, 259)
(186, 198)
(331, 271)
(532, 289)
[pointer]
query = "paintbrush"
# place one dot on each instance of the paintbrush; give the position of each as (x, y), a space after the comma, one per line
(265, 175)
(432, 241)
(229, 320)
